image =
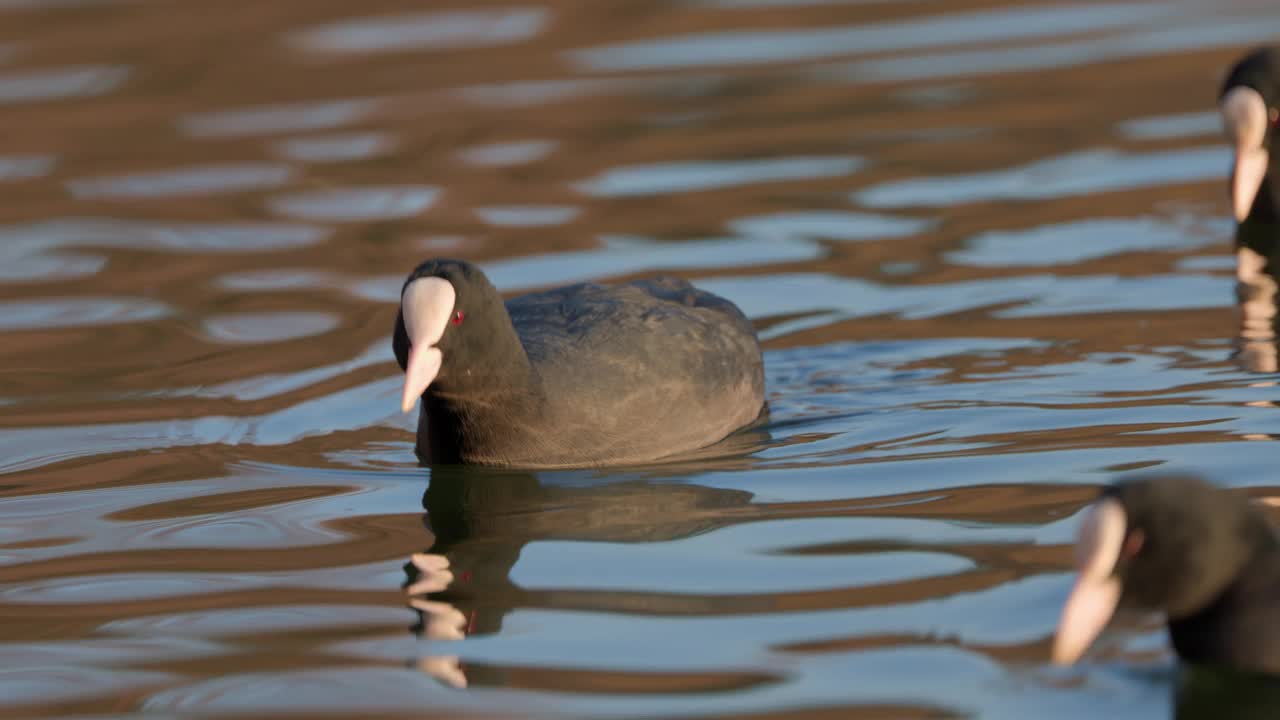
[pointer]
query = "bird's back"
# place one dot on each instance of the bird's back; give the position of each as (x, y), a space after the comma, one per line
(638, 370)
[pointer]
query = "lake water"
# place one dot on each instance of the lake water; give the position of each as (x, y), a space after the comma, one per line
(986, 245)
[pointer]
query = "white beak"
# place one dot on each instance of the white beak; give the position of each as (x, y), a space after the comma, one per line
(426, 305)
(1097, 590)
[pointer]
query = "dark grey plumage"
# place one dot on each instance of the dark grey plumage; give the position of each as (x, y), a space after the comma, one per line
(586, 374)
(1209, 560)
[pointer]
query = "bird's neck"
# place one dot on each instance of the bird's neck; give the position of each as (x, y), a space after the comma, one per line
(467, 427)
(1265, 212)
(481, 400)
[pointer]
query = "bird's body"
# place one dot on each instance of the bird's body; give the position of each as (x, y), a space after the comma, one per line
(1240, 628)
(584, 375)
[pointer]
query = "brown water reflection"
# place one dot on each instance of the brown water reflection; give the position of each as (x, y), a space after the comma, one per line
(986, 245)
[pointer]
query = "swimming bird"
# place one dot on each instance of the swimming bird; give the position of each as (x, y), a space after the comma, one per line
(582, 375)
(1205, 557)
(1250, 106)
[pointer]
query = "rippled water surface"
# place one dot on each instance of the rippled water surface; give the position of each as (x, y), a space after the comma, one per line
(985, 244)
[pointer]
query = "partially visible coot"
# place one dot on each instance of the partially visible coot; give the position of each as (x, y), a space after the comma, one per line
(1205, 557)
(1250, 105)
(584, 375)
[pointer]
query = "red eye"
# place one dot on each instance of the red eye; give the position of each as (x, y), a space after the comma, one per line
(458, 317)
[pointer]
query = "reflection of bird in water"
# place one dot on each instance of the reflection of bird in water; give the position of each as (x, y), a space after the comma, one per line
(1250, 107)
(482, 519)
(1256, 298)
(1205, 557)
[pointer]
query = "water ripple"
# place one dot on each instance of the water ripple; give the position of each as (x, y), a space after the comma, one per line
(830, 224)
(182, 237)
(264, 327)
(674, 177)
(44, 268)
(627, 255)
(771, 46)
(26, 683)
(1191, 32)
(253, 620)
(357, 204)
(1167, 127)
(269, 119)
(29, 250)
(151, 585)
(427, 31)
(47, 4)
(77, 312)
(1081, 240)
(277, 279)
(528, 215)
(328, 691)
(1002, 615)
(197, 180)
(261, 510)
(530, 93)
(707, 567)
(362, 406)
(22, 86)
(736, 4)
(508, 153)
(276, 384)
(25, 167)
(834, 298)
(337, 148)
(1079, 173)
(617, 256)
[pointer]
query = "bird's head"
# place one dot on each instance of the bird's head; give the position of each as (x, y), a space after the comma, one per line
(1249, 108)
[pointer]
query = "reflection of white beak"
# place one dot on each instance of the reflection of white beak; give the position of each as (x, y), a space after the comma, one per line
(1097, 590)
(426, 305)
(441, 621)
(1244, 119)
(434, 574)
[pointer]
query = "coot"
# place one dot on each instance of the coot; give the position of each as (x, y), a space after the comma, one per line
(1250, 105)
(583, 375)
(1205, 557)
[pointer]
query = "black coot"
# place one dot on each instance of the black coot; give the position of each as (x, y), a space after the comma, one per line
(1205, 557)
(1250, 105)
(583, 375)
